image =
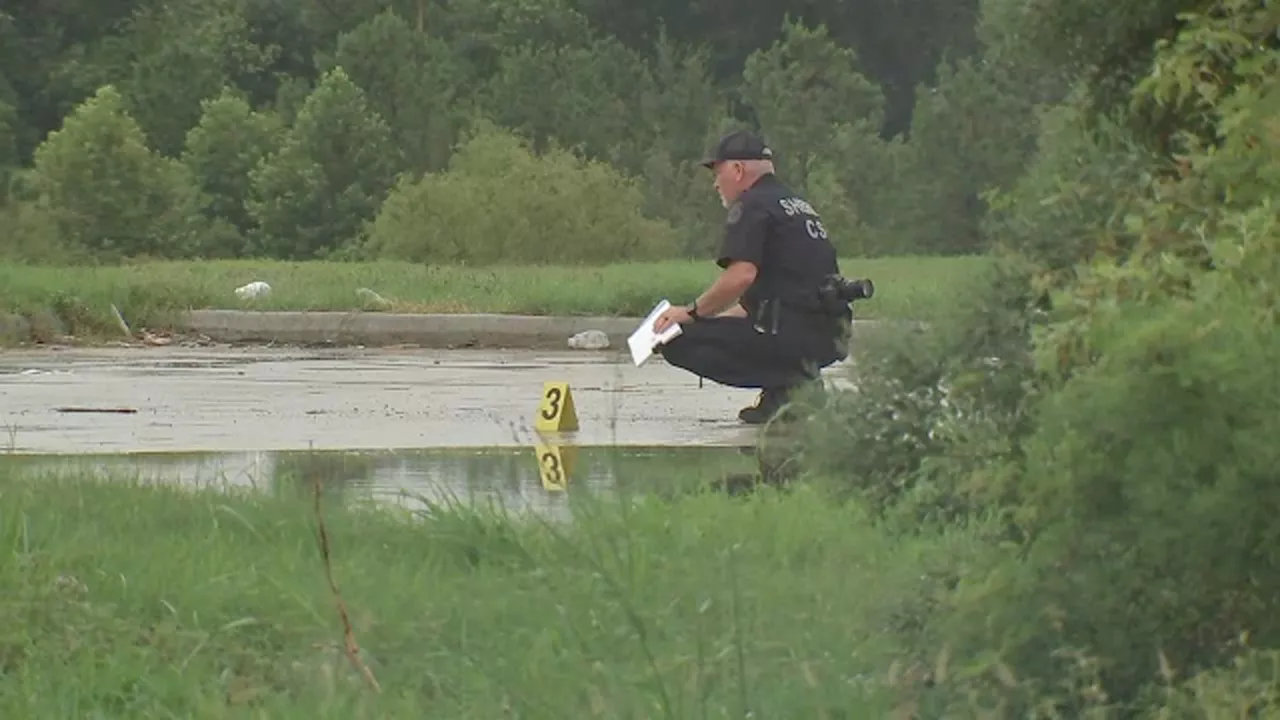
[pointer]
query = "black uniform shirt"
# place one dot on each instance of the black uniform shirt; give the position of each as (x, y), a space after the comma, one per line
(781, 234)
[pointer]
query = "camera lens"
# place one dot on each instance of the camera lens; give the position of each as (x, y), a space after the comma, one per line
(851, 290)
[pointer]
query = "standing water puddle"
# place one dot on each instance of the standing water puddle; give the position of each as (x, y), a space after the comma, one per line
(517, 479)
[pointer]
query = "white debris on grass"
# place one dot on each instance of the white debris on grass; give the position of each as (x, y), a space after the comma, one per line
(372, 299)
(255, 289)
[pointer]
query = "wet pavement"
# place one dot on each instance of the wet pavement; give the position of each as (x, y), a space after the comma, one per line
(255, 399)
(511, 479)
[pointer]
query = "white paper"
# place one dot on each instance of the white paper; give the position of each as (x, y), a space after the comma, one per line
(644, 339)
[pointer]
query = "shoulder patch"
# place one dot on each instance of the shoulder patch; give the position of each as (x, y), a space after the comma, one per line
(735, 212)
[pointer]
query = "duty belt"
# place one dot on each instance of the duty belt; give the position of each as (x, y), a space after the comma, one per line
(767, 315)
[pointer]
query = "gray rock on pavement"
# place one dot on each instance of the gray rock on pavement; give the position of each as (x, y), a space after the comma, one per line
(589, 340)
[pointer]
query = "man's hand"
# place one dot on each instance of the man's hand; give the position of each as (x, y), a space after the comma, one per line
(675, 314)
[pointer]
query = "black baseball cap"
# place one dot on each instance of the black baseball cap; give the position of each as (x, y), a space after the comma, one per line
(740, 145)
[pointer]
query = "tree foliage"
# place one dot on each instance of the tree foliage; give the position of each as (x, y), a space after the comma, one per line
(645, 89)
(222, 151)
(1104, 406)
(500, 203)
(1097, 413)
(411, 80)
(108, 195)
(336, 163)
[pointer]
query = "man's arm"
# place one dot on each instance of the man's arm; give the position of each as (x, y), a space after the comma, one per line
(741, 253)
(723, 294)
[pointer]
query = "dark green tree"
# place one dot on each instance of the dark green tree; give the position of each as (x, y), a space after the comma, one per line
(106, 193)
(413, 80)
(312, 197)
(222, 151)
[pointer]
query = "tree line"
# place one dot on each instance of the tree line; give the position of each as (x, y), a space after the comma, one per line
(467, 131)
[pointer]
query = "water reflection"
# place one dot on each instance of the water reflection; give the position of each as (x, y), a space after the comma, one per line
(538, 478)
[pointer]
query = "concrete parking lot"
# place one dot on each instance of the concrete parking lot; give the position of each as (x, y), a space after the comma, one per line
(247, 398)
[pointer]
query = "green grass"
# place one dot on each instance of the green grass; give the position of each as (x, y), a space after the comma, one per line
(134, 601)
(81, 297)
(123, 600)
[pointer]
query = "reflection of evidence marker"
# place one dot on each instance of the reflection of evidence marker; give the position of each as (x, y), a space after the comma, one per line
(556, 413)
(555, 463)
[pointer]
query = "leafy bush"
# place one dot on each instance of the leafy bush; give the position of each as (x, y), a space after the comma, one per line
(99, 192)
(1121, 430)
(499, 202)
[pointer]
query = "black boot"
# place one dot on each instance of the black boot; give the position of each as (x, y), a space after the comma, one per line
(772, 400)
(767, 405)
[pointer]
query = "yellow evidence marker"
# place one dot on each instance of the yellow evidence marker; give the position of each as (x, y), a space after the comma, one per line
(556, 413)
(555, 463)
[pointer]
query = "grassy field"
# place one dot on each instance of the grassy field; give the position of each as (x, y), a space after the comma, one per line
(137, 601)
(81, 298)
(124, 600)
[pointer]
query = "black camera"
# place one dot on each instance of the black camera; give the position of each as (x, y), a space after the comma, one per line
(837, 292)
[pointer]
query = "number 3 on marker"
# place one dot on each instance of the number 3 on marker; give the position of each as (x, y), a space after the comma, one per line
(555, 465)
(556, 413)
(551, 403)
(552, 477)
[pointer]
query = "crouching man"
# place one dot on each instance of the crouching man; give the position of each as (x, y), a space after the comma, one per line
(762, 323)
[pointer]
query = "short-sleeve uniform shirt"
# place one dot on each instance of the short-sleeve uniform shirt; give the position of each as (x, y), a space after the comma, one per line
(782, 235)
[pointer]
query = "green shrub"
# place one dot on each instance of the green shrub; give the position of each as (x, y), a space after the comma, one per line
(499, 202)
(1121, 433)
(1071, 202)
(99, 191)
(1148, 493)
(929, 405)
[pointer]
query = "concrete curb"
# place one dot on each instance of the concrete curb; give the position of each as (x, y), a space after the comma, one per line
(379, 328)
(373, 329)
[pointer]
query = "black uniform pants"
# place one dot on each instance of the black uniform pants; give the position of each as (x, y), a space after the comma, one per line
(731, 351)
